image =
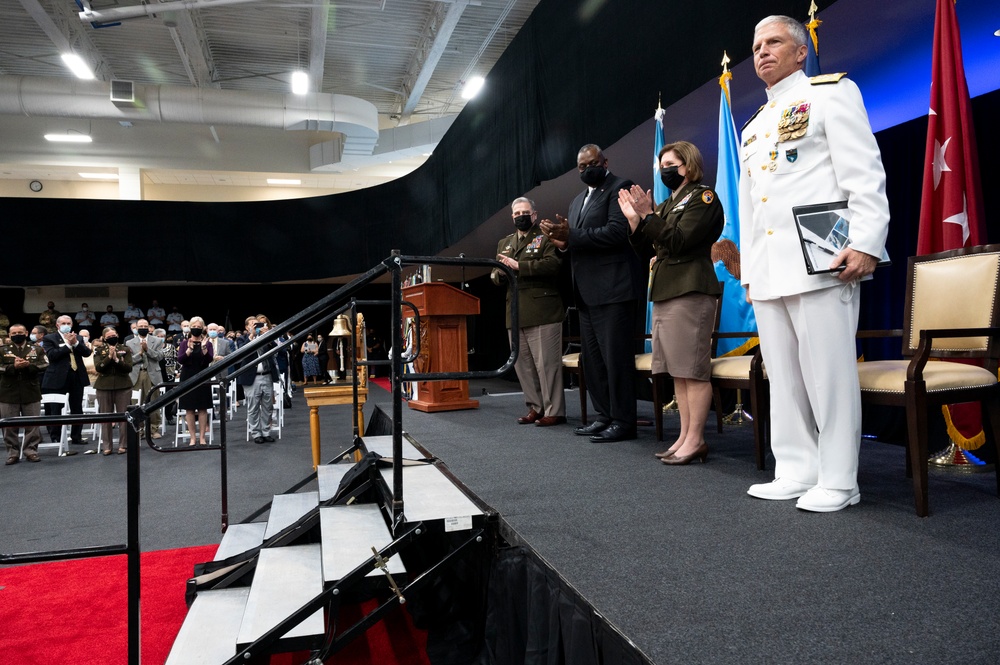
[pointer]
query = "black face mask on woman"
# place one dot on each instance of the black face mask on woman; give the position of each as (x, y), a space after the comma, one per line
(110, 341)
(671, 178)
(522, 222)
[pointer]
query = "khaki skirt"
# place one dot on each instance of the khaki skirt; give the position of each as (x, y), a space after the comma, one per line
(682, 336)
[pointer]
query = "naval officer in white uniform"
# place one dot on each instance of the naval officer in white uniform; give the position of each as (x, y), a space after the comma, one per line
(811, 143)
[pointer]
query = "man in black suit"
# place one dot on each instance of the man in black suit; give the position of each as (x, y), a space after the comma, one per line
(608, 283)
(66, 373)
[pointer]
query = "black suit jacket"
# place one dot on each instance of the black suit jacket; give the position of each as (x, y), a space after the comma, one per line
(605, 267)
(59, 371)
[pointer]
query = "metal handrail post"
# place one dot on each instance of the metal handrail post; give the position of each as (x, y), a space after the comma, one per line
(223, 452)
(395, 265)
(134, 578)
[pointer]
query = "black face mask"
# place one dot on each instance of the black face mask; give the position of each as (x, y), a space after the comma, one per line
(110, 341)
(671, 178)
(18, 339)
(593, 176)
(142, 331)
(522, 222)
(196, 332)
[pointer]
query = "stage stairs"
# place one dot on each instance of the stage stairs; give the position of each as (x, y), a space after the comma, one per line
(277, 585)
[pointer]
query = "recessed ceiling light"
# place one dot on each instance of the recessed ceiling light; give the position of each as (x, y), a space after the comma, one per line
(99, 176)
(472, 87)
(283, 181)
(300, 83)
(69, 138)
(76, 65)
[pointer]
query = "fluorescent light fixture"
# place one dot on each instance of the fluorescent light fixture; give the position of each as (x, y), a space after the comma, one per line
(283, 181)
(472, 87)
(69, 138)
(300, 83)
(99, 176)
(76, 65)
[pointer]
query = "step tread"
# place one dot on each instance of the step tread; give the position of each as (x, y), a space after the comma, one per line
(383, 446)
(286, 509)
(208, 634)
(286, 578)
(329, 476)
(348, 534)
(430, 495)
(239, 538)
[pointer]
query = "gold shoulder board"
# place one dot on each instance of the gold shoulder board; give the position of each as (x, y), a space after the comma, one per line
(826, 78)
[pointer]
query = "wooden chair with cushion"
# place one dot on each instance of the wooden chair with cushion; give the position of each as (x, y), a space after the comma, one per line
(951, 312)
(744, 373)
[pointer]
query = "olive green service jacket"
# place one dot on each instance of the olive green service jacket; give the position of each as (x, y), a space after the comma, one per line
(112, 375)
(539, 299)
(683, 229)
(21, 386)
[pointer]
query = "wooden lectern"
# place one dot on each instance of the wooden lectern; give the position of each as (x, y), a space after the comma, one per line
(443, 344)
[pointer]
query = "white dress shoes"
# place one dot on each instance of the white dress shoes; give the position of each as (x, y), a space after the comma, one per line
(780, 489)
(822, 500)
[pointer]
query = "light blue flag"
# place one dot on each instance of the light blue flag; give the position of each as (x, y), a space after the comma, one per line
(737, 315)
(660, 194)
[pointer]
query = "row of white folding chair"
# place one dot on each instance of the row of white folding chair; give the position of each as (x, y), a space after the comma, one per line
(95, 430)
(277, 411)
(64, 432)
(181, 429)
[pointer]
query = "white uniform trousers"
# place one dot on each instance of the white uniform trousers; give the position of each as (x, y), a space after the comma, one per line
(539, 368)
(808, 345)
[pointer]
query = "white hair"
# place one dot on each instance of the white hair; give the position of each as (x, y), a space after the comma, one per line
(796, 30)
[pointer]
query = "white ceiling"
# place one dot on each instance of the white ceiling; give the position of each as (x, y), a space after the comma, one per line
(408, 58)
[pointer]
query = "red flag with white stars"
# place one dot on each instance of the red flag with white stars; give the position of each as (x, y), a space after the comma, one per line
(951, 208)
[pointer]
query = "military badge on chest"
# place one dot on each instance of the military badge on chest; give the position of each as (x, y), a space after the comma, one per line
(794, 122)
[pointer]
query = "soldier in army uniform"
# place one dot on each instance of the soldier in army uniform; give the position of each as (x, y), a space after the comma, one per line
(48, 317)
(21, 366)
(540, 314)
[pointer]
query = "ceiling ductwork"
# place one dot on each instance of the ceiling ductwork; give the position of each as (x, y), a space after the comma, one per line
(413, 140)
(355, 118)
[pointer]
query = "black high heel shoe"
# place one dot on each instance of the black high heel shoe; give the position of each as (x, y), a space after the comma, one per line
(701, 452)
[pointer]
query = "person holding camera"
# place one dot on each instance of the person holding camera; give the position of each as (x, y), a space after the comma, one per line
(193, 355)
(113, 362)
(258, 379)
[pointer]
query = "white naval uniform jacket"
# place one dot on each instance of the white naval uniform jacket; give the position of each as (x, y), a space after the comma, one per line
(837, 158)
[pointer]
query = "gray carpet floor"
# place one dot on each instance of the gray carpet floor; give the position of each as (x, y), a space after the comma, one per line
(679, 558)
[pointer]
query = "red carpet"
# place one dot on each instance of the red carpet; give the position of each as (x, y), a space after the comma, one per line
(76, 612)
(383, 383)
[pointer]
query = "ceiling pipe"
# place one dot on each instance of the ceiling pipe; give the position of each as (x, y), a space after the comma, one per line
(356, 118)
(151, 9)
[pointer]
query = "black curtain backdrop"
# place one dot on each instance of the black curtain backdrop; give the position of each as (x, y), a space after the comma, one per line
(579, 71)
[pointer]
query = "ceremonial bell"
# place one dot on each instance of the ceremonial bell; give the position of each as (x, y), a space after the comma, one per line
(341, 327)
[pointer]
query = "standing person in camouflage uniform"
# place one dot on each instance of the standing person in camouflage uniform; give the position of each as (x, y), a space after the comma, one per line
(540, 311)
(48, 317)
(21, 366)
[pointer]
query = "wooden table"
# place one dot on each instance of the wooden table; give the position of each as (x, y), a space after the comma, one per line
(317, 396)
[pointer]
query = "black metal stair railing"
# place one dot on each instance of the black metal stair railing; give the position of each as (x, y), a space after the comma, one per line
(258, 350)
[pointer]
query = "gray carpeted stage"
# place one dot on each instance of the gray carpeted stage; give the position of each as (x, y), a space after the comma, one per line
(679, 558)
